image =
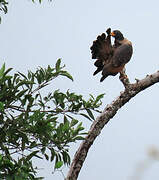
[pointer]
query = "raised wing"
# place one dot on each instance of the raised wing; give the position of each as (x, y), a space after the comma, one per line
(102, 50)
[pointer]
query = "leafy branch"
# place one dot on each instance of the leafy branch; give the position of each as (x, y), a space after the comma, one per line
(4, 6)
(36, 125)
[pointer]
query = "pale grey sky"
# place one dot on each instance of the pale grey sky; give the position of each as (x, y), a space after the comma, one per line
(35, 35)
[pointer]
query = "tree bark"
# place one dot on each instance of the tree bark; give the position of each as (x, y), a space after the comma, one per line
(109, 112)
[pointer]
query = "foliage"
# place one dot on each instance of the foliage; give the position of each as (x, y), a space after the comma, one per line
(40, 1)
(34, 125)
(4, 5)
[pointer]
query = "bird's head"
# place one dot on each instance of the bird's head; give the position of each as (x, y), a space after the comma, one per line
(117, 35)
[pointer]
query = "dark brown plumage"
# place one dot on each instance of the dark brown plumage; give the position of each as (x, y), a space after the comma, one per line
(111, 59)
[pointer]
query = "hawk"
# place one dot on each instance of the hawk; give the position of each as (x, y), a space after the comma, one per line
(111, 59)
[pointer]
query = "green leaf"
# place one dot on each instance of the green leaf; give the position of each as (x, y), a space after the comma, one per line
(43, 150)
(66, 74)
(66, 157)
(24, 140)
(58, 164)
(1, 157)
(86, 116)
(34, 153)
(1, 106)
(65, 126)
(46, 156)
(7, 71)
(79, 127)
(74, 122)
(57, 66)
(79, 138)
(33, 144)
(2, 70)
(90, 114)
(23, 75)
(21, 93)
(99, 97)
(92, 96)
(52, 154)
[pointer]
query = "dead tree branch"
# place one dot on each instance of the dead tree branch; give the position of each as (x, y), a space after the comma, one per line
(109, 112)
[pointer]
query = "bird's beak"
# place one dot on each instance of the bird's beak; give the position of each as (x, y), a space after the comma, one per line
(112, 34)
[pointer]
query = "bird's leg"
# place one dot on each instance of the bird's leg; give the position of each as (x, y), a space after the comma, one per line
(124, 78)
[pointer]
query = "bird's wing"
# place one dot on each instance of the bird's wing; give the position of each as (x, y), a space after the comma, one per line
(102, 47)
(102, 50)
(122, 55)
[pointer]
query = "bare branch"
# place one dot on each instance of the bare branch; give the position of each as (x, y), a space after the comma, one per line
(109, 112)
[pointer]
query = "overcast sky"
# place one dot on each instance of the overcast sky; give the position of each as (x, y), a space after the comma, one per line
(35, 35)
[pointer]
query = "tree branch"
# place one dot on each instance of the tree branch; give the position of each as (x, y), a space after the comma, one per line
(109, 112)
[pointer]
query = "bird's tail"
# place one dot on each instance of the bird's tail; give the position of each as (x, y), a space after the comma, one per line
(108, 70)
(99, 65)
(103, 77)
(98, 70)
